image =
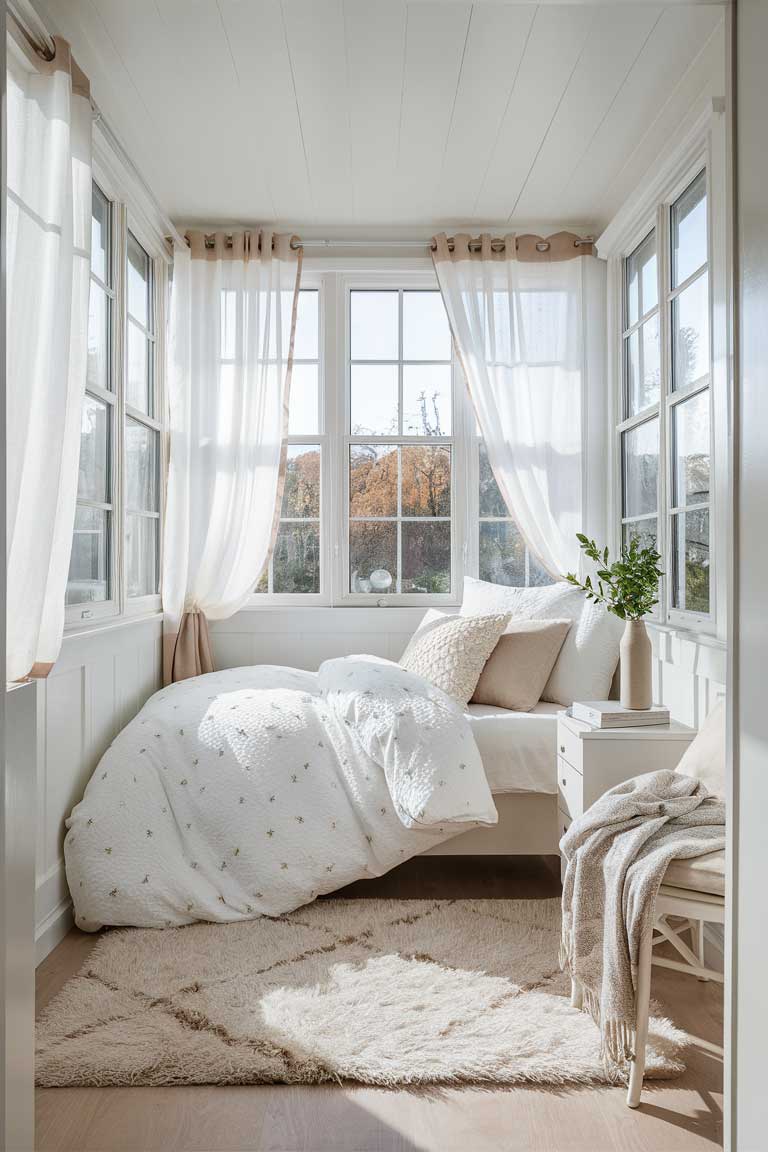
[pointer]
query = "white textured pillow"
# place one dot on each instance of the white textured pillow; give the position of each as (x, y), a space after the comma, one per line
(451, 651)
(589, 656)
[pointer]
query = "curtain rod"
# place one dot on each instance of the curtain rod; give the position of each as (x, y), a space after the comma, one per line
(32, 27)
(497, 244)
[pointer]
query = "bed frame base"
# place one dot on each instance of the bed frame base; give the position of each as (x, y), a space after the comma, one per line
(528, 826)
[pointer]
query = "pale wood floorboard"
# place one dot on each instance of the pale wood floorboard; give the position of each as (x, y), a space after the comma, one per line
(674, 1117)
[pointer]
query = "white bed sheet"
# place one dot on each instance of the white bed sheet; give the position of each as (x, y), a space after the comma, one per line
(518, 749)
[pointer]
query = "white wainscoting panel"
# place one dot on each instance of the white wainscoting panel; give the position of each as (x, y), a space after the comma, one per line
(99, 682)
(304, 637)
(689, 673)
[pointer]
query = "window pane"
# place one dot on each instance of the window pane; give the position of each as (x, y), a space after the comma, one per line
(88, 579)
(305, 343)
(138, 392)
(426, 556)
(491, 500)
(641, 275)
(93, 475)
(502, 554)
(374, 325)
(426, 399)
(640, 452)
(689, 231)
(690, 560)
(100, 237)
(99, 373)
(296, 559)
(141, 533)
(138, 282)
(303, 417)
(372, 480)
(373, 557)
(690, 333)
(141, 467)
(645, 530)
(691, 440)
(426, 333)
(643, 367)
(373, 400)
(426, 481)
(301, 494)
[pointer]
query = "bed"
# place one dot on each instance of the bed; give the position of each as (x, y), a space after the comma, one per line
(518, 750)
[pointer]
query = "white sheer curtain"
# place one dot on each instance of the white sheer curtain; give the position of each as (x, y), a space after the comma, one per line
(48, 263)
(233, 315)
(518, 327)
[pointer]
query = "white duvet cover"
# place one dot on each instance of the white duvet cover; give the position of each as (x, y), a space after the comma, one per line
(252, 791)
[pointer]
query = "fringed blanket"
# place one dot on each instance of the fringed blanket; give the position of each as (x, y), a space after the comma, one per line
(617, 854)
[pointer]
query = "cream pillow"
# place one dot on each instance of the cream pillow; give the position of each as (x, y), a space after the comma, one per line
(520, 664)
(704, 758)
(587, 660)
(451, 651)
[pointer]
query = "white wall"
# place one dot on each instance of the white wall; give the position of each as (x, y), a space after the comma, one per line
(99, 682)
(747, 989)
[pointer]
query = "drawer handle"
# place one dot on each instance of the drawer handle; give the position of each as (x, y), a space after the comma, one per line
(565, 782)
(562, 748)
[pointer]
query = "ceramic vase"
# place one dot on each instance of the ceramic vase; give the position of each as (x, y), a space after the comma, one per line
(635, 654)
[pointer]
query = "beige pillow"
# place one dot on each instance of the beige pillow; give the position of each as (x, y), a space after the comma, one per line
(704, 758)
(520, 664)
(451, 651)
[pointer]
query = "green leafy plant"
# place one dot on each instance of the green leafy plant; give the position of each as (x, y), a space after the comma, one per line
(628, 587)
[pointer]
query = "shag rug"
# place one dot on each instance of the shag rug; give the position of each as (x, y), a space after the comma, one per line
(388, 992)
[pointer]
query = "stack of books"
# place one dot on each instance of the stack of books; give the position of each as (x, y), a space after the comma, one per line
(610, 714)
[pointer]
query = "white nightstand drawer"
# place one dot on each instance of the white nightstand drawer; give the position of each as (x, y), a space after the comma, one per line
(569, 745)
(564, 822)
(570, 789)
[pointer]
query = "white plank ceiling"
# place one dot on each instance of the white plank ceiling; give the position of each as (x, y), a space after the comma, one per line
(368, 117)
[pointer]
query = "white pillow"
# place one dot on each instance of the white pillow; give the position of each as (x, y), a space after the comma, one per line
(588, 658)
(452, 651)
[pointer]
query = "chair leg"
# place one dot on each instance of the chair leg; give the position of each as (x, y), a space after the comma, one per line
(642, 1001)
(700, 947)
(577, 994)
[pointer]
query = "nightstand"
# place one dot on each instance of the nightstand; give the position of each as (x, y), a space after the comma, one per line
(592, 760)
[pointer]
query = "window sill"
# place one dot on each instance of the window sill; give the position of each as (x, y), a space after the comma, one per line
(109, 624)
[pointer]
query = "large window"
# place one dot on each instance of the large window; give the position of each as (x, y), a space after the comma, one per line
(664, 436)
(115, 560)
(388, 495)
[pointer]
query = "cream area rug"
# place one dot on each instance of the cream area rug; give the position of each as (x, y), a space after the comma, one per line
(388, 992)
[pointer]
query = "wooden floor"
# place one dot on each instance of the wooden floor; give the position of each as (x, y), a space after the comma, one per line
(678, 1115)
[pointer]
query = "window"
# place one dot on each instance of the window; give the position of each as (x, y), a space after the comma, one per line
(92, 560)
(296, 567)
(142, 429)
(115, 560)
(688, 401)
(398, 446)
(665, 436)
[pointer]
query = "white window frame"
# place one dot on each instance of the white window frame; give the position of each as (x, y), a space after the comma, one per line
(702, 148)
(94, 610)
(400, 282)
(129, 210)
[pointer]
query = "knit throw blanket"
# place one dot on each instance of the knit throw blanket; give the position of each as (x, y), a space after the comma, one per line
(617, 854)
